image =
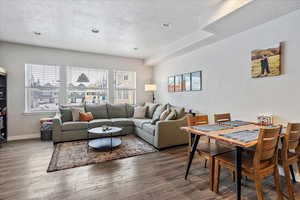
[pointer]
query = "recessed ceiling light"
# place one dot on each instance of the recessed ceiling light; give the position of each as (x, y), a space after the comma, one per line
(166, 25)
(37, 33)
(136, 48)
(95, 30)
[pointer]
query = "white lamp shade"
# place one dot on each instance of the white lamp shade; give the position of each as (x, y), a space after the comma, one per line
(150, 87)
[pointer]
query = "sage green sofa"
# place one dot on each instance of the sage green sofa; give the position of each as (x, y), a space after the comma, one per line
(162, 134)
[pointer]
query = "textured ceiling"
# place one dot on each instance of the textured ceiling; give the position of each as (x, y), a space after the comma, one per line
(126, 24)
(123, 24)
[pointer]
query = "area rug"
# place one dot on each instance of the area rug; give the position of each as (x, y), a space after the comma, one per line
(75, 154)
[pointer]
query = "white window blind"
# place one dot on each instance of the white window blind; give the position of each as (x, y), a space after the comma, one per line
(125, 87)
(86, 85)
(41, 87)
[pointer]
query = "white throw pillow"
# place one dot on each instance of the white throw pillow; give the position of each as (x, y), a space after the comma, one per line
(139, 112)
(75, 113)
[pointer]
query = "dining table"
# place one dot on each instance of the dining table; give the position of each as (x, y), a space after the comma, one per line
(224, 133)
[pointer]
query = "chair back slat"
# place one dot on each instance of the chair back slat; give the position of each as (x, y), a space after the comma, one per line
(219, 118)
(291, 139)
(197, 120)
(267, 146)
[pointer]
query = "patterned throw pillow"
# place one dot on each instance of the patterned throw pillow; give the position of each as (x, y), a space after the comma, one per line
(151, 107)
(85, 116)
(164, 114)
(157, 113)
(139, 112)
(172, 115)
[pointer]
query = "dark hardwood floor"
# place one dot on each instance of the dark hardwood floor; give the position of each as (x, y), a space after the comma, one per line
(158, 176)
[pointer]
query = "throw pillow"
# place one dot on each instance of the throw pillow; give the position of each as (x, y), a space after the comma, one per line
(151, 107)
(75, 113)
(171, 115)
(85, 116)
(66, 114)
(164, 114)
(157, 113)
(139, 112)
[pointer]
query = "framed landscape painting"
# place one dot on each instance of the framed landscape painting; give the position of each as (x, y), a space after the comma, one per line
(186, 82)
(178, 83)
(171, 84)
(266, 62)
(196, 81)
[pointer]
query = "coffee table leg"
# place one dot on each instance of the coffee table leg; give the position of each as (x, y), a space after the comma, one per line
(88, 139)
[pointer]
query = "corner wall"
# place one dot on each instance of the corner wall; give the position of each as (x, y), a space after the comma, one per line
(13, 58)
(227, 83)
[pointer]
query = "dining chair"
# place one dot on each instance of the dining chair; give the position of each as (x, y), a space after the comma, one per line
(219, 118)
(256, 166)
(289, 154)
(206, 150)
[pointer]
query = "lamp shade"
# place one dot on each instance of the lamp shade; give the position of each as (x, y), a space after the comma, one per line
(150, 87)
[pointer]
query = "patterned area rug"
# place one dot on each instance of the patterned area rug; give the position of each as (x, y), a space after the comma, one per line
(74, 154)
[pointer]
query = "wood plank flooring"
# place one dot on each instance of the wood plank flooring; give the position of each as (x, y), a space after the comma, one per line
(157, 176)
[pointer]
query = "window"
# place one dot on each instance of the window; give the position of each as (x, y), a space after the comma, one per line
(125, 87)
(41, 88)
(87, 85)
(47, 87)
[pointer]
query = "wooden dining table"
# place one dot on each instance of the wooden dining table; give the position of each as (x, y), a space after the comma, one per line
(218, 135)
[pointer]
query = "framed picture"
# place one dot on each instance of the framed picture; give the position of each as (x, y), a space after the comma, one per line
(196, 81)
(178, 83)
(186, 82)
(266, 62)
(171, 84)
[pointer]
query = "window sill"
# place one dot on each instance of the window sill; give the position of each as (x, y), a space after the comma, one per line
(39, 113)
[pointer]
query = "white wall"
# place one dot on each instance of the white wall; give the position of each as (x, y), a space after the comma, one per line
(14, 56)
(227, 83)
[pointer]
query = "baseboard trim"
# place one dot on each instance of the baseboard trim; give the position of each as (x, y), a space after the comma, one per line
(23, 137)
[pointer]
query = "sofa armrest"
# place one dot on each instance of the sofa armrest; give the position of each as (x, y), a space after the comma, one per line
(168, 133)
(56, 128)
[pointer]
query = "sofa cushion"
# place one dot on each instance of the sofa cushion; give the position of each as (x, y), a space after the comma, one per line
(99, 111)
(180, 111)
(130, 110)
(150, 109)
(72, 126)
(140, 122)
(149, 128)
(117, 110)
(66, 114)
(99, 122)
(122, 122)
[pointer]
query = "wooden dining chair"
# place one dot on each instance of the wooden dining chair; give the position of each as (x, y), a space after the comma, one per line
(206, 150)
(289, 154)
(260, 164)
(219, 118)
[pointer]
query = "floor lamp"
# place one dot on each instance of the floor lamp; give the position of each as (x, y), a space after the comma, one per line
(151, 88)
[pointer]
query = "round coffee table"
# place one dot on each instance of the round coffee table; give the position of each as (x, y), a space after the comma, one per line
(105, 143)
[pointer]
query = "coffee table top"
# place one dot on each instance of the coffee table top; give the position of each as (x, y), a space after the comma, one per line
(99, 130)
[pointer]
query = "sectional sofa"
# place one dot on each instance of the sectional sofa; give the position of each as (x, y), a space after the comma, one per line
(162, 134)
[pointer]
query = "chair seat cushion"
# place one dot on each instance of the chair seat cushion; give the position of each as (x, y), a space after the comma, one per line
(140, 122)
(122, 122)
(213, 149)
(71, 126)
(149, 128)
(99, 122)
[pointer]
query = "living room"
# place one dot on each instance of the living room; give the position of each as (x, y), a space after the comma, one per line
(108, 99)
